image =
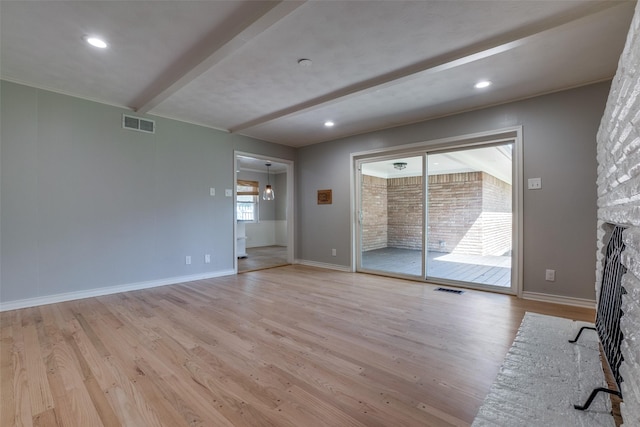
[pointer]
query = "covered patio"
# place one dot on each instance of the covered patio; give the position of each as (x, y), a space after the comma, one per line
(485, 270)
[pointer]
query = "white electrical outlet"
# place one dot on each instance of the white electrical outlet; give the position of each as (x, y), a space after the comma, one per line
(187, 259)
(333, 252)
(534, 183)
(550, 276)
(212, 191)
(207, 258)
(228, 192)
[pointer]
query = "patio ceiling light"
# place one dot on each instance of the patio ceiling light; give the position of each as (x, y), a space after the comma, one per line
(400, 165)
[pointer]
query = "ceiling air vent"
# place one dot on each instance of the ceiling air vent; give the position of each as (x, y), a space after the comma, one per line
(138, 123)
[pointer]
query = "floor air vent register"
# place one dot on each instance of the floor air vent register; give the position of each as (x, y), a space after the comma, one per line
(451, 291)
(609, 313)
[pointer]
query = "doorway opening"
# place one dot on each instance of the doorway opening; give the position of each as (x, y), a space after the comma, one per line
(446, 214)
(263, 225)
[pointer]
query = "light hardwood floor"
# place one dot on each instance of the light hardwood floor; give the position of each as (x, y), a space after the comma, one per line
(290, 346)
(263, 257)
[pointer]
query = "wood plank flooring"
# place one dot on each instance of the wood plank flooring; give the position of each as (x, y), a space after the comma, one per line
(289, 346)
(263, 257)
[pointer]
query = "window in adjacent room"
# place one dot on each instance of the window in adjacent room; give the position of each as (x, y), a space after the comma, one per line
(247, 200)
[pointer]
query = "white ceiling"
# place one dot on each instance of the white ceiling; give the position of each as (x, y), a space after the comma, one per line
(251, 164)
(496, 161)
(233, 65)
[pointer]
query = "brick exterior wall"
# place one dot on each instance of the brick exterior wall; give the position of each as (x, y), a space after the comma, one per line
(405, 212)
(497, 216)
(374, 217)
(619, 203)
(468, 213)
(455, 205)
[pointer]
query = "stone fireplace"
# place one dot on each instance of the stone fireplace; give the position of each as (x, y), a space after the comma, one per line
(619, 203)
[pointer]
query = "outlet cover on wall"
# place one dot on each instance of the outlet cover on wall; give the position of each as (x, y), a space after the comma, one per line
(187, 259)
(207, 258)
(550, 276)
(534, 183)
(333, 252)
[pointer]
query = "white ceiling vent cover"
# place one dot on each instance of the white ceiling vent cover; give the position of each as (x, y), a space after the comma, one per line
(138, 123)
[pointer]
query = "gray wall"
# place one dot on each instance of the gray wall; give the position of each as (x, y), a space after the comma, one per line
(270, 210)
(266, 208)
(279, 182)
(87, 204)
(559, 135)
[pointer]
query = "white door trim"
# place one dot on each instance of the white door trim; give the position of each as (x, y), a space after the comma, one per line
(290, 202)
(511, 134)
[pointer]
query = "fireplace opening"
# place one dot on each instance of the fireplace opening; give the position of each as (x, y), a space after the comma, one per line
(609, 312)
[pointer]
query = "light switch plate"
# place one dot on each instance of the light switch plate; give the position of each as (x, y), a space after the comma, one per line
(228, 192)
(212, 191)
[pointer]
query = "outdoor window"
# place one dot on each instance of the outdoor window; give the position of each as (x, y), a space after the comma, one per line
(247, 201)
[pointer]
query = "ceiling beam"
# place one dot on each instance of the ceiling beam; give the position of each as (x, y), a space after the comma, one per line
(474, 52)
(254, 18)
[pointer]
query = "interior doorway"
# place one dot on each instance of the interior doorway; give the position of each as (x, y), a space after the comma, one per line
(263, 225)
(446, 214)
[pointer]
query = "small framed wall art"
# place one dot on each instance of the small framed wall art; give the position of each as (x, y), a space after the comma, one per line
(324, 197)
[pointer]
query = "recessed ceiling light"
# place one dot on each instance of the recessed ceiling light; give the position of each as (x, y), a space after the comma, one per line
(329, 124)
(96, 42)
(482, 84)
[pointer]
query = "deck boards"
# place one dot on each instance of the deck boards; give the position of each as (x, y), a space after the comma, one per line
(288, 346)
(486, 270)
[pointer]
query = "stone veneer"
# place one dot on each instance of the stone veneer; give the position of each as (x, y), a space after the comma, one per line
(619, 203)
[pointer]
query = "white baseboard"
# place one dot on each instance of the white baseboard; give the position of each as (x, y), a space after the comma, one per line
(70, 296)
(556, 299)
(323, 265)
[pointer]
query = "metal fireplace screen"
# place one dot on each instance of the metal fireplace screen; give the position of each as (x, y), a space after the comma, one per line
(610, 311)
(610, 303)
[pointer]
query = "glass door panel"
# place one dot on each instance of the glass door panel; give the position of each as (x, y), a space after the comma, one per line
(469, 216)
(391, 217)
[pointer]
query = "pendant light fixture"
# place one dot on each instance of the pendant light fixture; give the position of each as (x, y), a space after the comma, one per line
(268, 193)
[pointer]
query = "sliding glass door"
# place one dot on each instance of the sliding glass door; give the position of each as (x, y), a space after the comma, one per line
(445, 216)
(470, 230)
(392, 216)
